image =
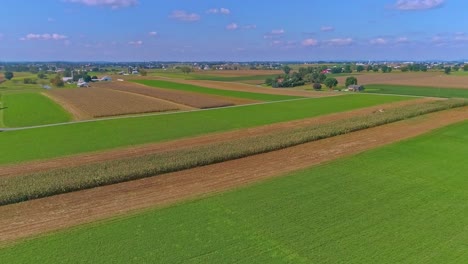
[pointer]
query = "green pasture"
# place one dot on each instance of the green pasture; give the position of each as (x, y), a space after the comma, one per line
(402, 203)
(83, 137)
(30, 109)
(199, 89)
(416, 90)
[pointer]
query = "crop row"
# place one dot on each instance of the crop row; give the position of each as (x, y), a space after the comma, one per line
(20, 188)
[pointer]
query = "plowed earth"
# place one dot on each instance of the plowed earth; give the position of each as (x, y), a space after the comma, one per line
(104, 102)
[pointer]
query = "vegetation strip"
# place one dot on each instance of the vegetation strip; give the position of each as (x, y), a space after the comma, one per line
(388, 205)
(88, 136)
(26, 187)
(416, 90)
(213, 91)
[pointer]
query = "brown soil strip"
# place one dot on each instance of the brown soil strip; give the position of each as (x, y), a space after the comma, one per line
(185, 98)
(232, 86)
(76, 160)
(62, 211)
(76, 113)
(105, 102)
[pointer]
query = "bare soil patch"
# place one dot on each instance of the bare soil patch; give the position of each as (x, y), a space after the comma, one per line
(104, 102)
(62, 211)
(427, 79)
(180, 97)
(95, 157)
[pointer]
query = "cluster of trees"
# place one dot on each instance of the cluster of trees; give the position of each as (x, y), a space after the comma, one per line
(57, 81)
(8, 75)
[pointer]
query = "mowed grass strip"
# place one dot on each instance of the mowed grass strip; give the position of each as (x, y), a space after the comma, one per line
(31, 109)
(37, 185)
(417, 91)
(205, 90)
(403, 203)
(56, 141)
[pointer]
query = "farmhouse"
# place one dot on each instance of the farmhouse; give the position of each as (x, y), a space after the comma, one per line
(355, 88)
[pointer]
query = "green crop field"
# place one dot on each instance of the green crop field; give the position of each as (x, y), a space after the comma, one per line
(208, 77)
(405, 202)
(30, 109)
(199, 89)
(415, 90)
(77, 138)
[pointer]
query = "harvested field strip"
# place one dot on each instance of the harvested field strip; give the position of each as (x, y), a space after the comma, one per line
(213, 91)
(196, 100)
(29, 109)
(88, 158)
(62, 211)
(84, 137)
(417, 90)
(104, 102)
(256, 89)
(26, 187)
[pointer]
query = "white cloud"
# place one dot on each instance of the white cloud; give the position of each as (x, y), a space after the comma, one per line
(418, 4)
(459, 36)
(401, 40)
(224, 11)
(136, 43)
(340, 41)
(232, 26)
(153, 33)
(378, 41)
(45, 36)
(309, 42)
(221, 10)
(327, 28)
(114, 4)
(250, 26)
(182, 15)
(275, 33)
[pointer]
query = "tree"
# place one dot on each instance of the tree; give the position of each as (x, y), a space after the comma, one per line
(87, 78)
(351, 80)
(385, 68)
(317, 86)
(41, 75)
(143, 72)
(375, 68)
(330, 82)
(57, 81)
(8, 75)
(186, 69)
(360, 68)
(269, 81)
(347, 69)
(447, 70)
(286, 69)
(456, 68)
(465, 67)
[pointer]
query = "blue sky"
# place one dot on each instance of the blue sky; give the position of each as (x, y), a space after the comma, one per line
(188, 30)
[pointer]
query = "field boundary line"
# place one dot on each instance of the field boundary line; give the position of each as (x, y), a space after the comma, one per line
(146, 115)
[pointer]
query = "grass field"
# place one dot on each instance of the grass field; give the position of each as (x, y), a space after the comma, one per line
(93, 136)
(204, 90)
(30, 109)
(389, 205)
(415, 90)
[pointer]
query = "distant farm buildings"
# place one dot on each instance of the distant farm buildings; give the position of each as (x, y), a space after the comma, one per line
(355, 88)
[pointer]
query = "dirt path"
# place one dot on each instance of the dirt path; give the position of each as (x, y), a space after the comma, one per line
(233, 86)
(62, 211)
(76, 160)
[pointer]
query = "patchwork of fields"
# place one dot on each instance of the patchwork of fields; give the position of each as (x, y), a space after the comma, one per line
(263, 176)
(368, 208)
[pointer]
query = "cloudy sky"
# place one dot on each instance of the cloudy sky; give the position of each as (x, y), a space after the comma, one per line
(148, 30)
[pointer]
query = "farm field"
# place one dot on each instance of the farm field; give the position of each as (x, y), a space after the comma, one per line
(212, 91)
(240, 76)
(196, 100)
(417, 90)
(424, 79)
(105, 102)
(94, 136)
(30, 109)
(232, 86)
(31, 186)
(359, 209)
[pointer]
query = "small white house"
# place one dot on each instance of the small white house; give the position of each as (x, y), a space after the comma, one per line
(67, 79)
(105, 79)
